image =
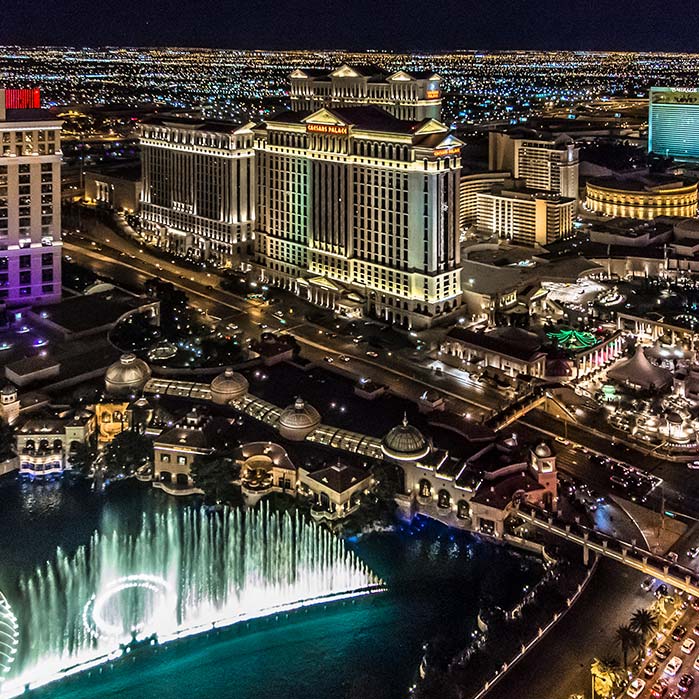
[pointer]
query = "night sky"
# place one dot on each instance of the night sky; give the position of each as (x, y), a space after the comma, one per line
(435, 25)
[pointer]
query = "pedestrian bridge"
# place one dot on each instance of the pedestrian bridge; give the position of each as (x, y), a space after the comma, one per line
(623, 552)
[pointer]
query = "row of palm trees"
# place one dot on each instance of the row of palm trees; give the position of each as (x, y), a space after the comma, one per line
(607, 673)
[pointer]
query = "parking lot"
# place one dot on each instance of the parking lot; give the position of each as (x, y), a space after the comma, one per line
(670, 663)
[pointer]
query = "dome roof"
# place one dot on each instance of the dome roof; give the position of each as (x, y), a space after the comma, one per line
(405, 443)
(8, 389)
(543, 450)
(228, 386)
(127, 375)
(299, 415)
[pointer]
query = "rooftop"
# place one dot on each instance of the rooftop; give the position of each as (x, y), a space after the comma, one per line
(340, 477)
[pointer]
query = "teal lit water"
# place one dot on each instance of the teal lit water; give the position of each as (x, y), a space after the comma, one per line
(370, 648)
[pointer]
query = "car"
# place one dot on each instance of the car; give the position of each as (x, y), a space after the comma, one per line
(661, 590)
(695, 604)
(679, 632)
(673, 556)
(344, 358)
(676, 695)
(674, 666)
(696, 663)
(693, 552)
(371, 353)
(693, 465)
(658, 689)
(329, 360)
(686, 682)
(636, 687)
(688, 645)
(647, 584)
(663, 651)
(650, 669)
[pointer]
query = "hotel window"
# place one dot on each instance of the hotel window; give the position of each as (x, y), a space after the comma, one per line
(182, 460)
(165, 458)
(25, 261)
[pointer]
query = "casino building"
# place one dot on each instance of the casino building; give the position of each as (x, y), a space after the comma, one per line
(198, 186)
(644, 197)
(405, 94)
(673, 123)
(30, 200)
(358, 211)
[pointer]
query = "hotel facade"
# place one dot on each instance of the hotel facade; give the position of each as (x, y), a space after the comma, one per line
(198, 187)
(405, 94)
(527, 217)
(30, 200)
(359, 211)
(673, 123)
(546, 165)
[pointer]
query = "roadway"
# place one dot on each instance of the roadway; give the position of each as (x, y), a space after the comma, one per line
(408, 372)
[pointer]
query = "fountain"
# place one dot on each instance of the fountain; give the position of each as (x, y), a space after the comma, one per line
(180, 572)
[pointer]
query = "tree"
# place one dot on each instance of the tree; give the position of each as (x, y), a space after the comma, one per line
(83, 458)
(7, 440)
(213, 474)
(644, 622)
(627, 639)
(606, 676)
(126, 453)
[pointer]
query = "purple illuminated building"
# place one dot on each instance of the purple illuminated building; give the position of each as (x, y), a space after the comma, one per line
(30, 202)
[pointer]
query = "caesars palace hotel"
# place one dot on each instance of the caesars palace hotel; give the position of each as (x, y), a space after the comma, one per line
(343, 202)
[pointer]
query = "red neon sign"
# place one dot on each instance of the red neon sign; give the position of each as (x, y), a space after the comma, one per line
(22, 99)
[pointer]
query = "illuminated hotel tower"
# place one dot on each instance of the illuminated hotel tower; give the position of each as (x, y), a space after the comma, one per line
(30, 200)
(405, 94)
(359, 211)
(198, 186)
(673, 122)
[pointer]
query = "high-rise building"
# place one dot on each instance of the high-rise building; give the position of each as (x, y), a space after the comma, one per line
(673, 122)
(525, 216)
(411, 95)
(359, 211)
(30, 200)
(198, 186)
(545, 164)
(470, 184)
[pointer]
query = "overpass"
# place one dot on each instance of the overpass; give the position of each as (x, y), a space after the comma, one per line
(627, 554)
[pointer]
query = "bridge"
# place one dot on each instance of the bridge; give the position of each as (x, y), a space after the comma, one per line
(628, 554)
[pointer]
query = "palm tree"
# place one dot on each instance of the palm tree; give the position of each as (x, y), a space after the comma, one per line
(644, 622)
(627, 639)
(606, 675)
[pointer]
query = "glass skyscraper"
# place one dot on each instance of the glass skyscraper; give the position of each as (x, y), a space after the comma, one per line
(673, 122)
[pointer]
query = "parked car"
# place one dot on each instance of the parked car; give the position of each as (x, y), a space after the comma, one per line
(679, 633)
(659, 688)
(636, 687)
(693, 552)
(674, 666)
(688, 646)
(650, 669)
(685, 683)
(663, 652)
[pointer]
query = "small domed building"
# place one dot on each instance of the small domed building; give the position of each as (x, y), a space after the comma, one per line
(127, 376)
(297, 421)
(228, 386)
(405, 443)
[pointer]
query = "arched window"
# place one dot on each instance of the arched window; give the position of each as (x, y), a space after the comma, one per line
(463, 510)
(444, 499)
(425, 488)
